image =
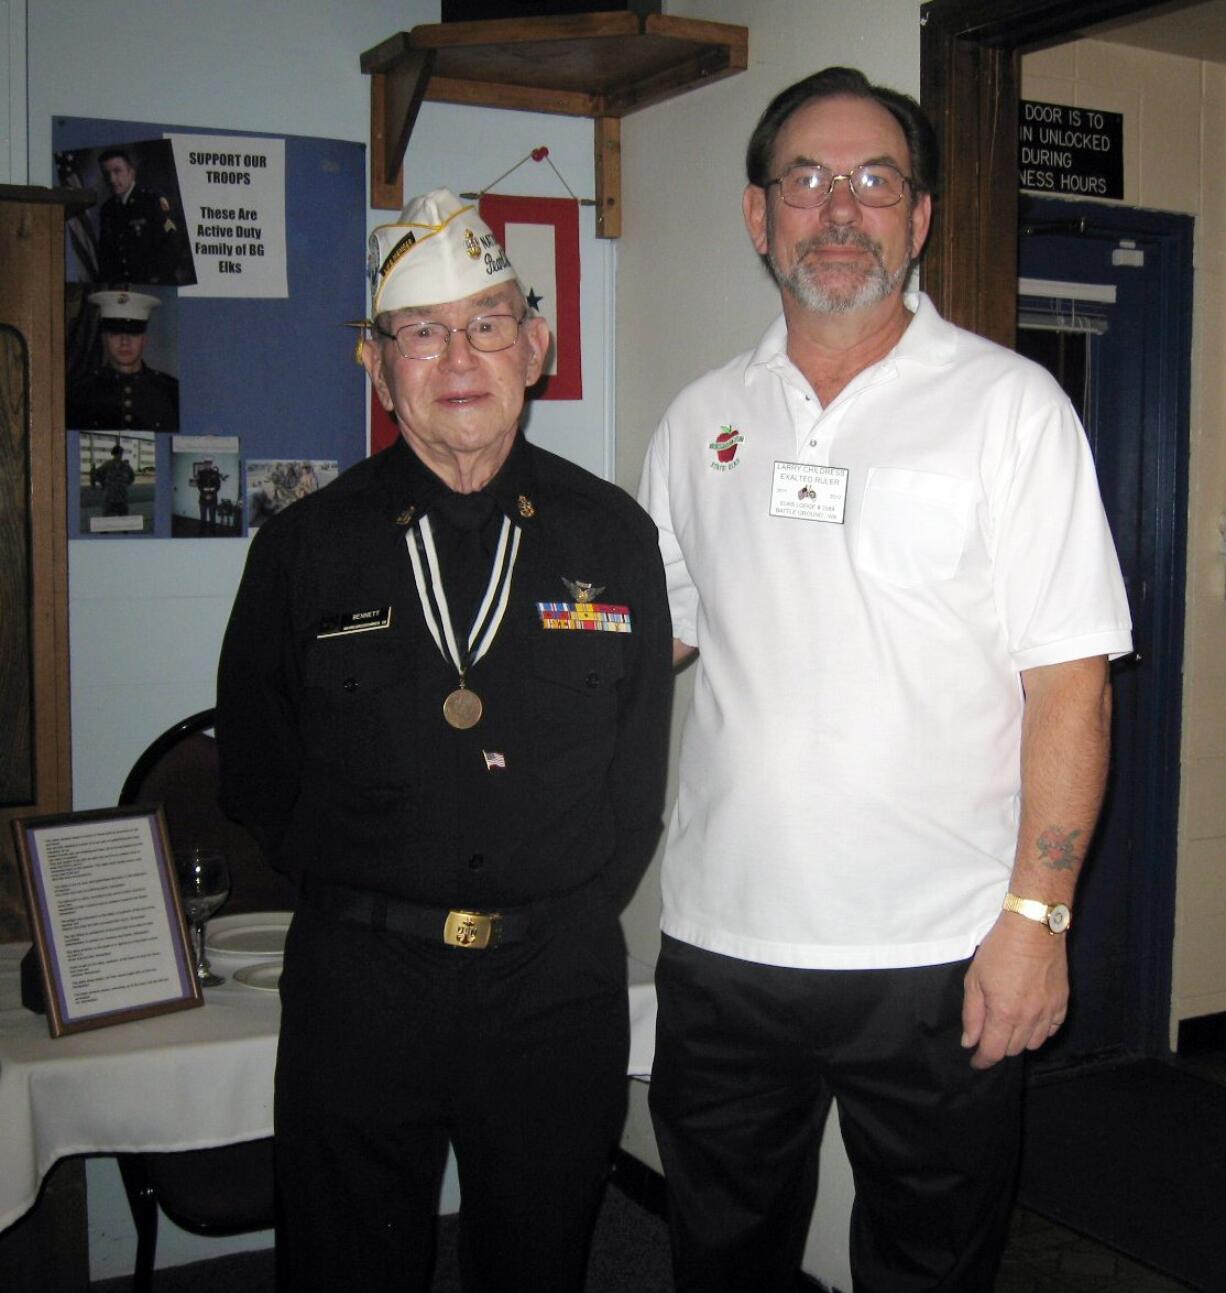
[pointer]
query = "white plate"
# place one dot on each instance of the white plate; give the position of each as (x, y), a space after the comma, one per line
(254, 933)
(266, 975)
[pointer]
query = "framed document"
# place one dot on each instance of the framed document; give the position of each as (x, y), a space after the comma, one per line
(106, 917)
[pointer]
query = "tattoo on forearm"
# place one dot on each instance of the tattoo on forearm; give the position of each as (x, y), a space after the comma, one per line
(1057, 848)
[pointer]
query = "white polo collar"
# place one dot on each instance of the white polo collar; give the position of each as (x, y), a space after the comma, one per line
(927, 340)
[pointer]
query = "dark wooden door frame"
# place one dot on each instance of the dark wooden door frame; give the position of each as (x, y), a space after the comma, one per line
(969, 83)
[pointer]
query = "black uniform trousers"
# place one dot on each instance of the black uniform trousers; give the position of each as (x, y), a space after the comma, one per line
(390, 1046)
(748, 1057)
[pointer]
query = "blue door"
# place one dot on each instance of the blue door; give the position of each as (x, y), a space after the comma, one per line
(1106, 306)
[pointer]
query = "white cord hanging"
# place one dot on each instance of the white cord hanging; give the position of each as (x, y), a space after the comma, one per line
(539, 154)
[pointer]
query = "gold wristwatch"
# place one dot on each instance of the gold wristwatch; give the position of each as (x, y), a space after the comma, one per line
(1055, 915)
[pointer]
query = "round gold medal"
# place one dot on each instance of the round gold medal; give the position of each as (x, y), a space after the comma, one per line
(462, 708)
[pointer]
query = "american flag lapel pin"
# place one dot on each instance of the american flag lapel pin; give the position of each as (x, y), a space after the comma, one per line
(494, 759)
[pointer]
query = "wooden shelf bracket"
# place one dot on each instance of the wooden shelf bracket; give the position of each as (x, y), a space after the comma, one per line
(603, 66)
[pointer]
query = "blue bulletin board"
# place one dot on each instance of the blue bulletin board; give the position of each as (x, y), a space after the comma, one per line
(273, 375)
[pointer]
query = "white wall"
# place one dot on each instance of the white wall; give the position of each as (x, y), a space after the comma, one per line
(13, 91)
(691, 293)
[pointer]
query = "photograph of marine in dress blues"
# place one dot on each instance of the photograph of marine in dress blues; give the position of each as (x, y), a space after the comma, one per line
(121, 373)
(135, 234)
(206, 482)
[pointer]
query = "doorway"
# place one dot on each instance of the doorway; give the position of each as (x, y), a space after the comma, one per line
(1105, 303)
(1129, 1153)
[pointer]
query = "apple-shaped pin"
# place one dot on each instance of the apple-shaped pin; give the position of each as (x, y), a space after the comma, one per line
(729, 438)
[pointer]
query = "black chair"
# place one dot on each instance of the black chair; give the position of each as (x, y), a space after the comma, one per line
(228, 1190)
(180, 771)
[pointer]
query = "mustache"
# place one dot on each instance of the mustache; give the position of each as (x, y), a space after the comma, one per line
(839, 237)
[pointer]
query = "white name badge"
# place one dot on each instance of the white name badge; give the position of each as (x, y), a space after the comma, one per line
(802, 491)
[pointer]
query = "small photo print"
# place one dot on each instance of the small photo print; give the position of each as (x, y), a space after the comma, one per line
(118, 478)
(273, 484)
(136, 233)
(122, 359)
(206, 501)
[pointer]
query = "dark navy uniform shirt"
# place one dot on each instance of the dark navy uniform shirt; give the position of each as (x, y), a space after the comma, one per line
(137, 239)
(113, 401)
(335, 751)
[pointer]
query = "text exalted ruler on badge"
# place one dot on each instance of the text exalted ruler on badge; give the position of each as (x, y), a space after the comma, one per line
(804, 491)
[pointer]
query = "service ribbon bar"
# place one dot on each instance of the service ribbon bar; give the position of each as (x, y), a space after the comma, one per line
(592, 617)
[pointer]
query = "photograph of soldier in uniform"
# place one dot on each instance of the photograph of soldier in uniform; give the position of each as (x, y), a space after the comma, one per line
(273, 485)
(112, 387)
(118, 475)
(207, 478)
(207, 488)
(138, 228)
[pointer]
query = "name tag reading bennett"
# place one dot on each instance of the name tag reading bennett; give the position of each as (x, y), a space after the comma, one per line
(803, 491)
(335, 626)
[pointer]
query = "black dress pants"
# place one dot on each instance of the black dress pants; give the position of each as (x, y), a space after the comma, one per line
(390, 1047)
(748, 1057)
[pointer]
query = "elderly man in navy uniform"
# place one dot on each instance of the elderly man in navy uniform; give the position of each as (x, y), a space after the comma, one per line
(138, 239)
(442, 706)
(125, 394)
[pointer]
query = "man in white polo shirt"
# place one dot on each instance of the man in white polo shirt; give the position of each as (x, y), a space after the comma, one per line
(883, 537)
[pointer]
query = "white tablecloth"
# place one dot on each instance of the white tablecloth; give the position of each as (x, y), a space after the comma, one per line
(189, 1080)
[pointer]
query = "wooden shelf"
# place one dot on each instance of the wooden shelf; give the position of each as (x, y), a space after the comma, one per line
(602, 65)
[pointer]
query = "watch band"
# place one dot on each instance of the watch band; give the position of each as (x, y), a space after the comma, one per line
(1055, 915)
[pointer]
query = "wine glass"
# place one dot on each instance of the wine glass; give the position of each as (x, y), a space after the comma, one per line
(204, 883)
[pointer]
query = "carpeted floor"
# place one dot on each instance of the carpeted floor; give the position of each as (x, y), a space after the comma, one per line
(1099, 1224)
(629, 1255)
(1134, 1155)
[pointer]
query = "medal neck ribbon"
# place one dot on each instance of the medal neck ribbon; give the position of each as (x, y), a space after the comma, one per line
(462, 653)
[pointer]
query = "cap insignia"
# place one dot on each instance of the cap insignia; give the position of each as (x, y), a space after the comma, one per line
(471, 245)
(404, 245)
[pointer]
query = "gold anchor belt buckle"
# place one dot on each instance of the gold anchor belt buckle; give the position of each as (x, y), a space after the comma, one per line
(473, 929)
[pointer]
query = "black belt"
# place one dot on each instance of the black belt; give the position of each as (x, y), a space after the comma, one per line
(455, 927)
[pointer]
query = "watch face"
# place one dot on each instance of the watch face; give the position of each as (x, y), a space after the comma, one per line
(1058, 918)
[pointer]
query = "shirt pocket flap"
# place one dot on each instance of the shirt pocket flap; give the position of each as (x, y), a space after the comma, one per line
(913, 525)
(356, 666)
(585, 662)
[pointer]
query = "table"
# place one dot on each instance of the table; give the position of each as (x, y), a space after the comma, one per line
(190, 1080)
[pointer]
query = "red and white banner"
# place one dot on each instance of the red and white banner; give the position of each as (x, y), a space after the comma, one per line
(541, 238)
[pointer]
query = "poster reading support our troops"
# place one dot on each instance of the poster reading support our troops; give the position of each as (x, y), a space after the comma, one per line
(233, 190)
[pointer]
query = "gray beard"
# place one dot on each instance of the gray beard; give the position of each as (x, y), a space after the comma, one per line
(866, 288)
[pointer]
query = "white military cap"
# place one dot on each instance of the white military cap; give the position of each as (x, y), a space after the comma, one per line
(440, 250)
(124, 311)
